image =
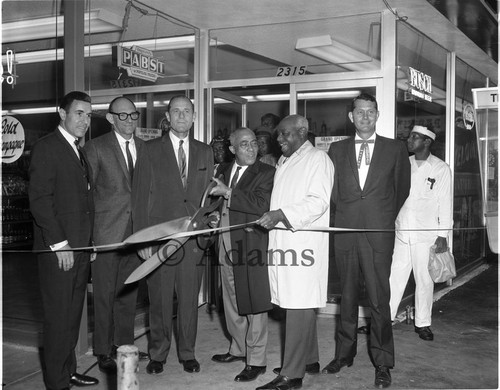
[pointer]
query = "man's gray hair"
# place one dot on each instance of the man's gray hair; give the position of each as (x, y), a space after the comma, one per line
(232, 136)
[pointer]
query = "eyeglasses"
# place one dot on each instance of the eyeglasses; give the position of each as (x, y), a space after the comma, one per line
(123, 116)
(246, 145)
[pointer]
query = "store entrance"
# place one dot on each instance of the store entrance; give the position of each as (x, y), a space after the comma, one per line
(325, 105)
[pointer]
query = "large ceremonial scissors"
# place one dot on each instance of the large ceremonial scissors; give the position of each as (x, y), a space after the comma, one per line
(198, 221)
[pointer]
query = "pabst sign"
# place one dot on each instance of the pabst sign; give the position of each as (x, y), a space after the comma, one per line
(138, 62)
(12, 139)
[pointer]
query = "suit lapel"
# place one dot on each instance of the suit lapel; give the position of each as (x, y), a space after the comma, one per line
(248, 175)
(69, 150)
(226, 172)
(119, 156)
(171, 161)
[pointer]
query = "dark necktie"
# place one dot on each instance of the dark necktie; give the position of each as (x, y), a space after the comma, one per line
(130, 161)
(366, 149)
(234, 180)
(182, 164)
(83, 159)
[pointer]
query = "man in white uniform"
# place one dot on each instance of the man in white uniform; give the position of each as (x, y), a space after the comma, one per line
(429, 206)
(298, 260)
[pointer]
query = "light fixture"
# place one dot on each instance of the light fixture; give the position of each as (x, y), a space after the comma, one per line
(300, 96)
(327, 49)
(96, 21)
(171, 43)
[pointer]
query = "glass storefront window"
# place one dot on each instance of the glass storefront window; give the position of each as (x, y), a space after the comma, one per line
(310, 47)
(421, 86)
(468, 204)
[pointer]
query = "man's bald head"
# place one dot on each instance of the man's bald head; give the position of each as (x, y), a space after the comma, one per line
(292, 133)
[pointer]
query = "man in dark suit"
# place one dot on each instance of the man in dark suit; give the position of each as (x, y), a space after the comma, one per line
(246, 185)
(62, 207)
(112, 158)
(170, 185)
(372, 181)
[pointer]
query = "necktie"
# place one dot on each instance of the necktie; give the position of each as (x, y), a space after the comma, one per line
(130, 161)
(83, 159)
(182, 164)
(366, 149)
(234, 180)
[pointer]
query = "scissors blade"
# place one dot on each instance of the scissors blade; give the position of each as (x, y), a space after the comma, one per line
(165, 251)
(159, 231)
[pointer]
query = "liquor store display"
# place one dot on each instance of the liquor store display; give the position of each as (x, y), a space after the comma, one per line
(17, 222)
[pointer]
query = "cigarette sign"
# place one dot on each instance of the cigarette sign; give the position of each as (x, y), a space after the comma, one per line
(138, 62)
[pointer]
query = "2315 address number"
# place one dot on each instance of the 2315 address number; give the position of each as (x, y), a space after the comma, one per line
(285, 71)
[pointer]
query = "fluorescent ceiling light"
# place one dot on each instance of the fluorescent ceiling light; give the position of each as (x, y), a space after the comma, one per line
(96, 21)
(327, 49)
(95, 107)
(300, 96)
(105, 49)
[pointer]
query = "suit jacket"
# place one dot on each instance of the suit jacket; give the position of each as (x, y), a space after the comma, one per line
(376, 206)
(159, 195)
(112, 187)
(249, 200)
(60, 200)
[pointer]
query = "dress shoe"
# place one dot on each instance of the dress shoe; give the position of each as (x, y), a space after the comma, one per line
(382, 377)
(311, 369)
(336, 364)
(81, 380)
(425, 333)
(364, 329)
(191, 365)
(154, 367)
(106, 364)
(282, 383)
(249, 373)
(143, 355)
(227, 358)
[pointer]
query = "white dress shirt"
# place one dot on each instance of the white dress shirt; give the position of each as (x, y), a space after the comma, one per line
(175, 143)
(123, 146)
(363, 168)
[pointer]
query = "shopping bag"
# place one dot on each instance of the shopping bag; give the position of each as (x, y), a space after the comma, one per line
(441, 265)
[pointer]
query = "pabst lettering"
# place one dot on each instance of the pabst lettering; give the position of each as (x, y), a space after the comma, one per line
(139, 62)
(12, 139)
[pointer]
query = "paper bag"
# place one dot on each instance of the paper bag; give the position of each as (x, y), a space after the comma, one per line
(441, 265)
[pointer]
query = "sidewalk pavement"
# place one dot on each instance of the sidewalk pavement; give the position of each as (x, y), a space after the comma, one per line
(463, 355)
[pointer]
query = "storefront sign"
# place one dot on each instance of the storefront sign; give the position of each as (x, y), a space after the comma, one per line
(147, 134)
(485, 98)
(12, 139)
(420, 84)
(138, 62)
(323, 143)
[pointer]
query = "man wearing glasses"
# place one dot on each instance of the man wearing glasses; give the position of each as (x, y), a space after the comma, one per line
(113, 157)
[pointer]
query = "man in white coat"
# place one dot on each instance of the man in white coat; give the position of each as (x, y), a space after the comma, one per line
(298, 260)
(429, 206)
